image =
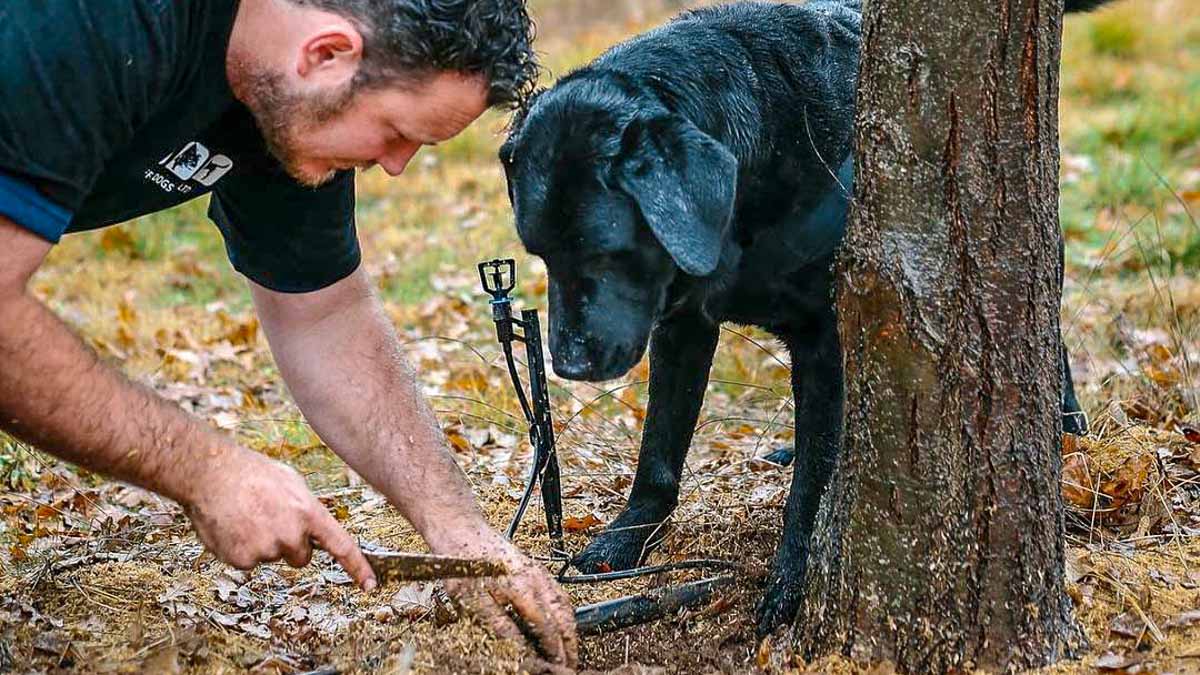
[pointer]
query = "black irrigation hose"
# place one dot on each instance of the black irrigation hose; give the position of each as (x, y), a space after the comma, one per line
(533, 477)
(498, 278)
(721, 565)
(632, 610)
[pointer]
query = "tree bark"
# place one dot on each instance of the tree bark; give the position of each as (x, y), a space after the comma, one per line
(940, 543)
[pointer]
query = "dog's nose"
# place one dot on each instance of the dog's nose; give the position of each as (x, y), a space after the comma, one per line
(573, 368)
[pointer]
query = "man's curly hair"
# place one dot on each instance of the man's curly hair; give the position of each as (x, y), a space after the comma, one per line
(409, 39)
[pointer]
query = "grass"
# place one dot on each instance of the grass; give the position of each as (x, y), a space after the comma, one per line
(1130, 91)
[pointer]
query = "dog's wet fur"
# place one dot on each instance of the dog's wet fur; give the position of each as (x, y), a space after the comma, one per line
(694, 175)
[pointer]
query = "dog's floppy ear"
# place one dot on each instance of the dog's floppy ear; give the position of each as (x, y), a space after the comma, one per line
(516, 121)
(684, 183)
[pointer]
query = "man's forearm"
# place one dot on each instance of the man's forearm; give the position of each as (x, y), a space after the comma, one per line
(347, 373)
(56, 394)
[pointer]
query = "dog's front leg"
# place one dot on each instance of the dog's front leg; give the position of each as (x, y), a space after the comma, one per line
(817, 384)
(681, 353)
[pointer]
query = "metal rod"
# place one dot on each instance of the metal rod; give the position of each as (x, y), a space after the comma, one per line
(542, 431)
(721, 565)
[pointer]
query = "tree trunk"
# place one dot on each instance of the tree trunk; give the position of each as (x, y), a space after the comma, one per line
(940, 542)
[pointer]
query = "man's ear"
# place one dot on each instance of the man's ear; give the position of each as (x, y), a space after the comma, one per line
(331, 55)
(685, 185)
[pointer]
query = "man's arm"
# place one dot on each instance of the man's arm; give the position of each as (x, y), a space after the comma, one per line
(57, 395)
(342, 361)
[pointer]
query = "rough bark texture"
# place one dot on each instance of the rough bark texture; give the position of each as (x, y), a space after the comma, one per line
(940, 541)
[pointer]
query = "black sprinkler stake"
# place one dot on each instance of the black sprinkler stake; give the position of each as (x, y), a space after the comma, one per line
(499, 278)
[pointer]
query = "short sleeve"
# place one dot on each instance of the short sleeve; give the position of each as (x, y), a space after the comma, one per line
(284, 236)
(78, 78)
(21, 203)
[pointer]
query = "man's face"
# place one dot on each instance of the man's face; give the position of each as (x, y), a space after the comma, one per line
(316, 135)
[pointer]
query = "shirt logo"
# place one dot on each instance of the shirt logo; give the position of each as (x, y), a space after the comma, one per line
(193, 162)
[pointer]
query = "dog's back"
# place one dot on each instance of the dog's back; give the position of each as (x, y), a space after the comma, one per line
(774, 82)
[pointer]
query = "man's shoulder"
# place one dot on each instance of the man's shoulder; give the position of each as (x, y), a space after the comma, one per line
(135, 50)
(106, 74)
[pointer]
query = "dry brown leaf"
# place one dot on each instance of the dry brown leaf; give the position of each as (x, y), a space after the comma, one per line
(165, 661)
(1117, 662)
(457, 440)
(118, 240)
(1184, 619)
(1070, 444)
(1127, 624)
(1129, 481)
(1166, 376)
(241, 331)
(1191, 433)
(1077, 487)
(579, 524)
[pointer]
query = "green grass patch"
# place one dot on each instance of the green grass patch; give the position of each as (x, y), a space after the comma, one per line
(1112, 34)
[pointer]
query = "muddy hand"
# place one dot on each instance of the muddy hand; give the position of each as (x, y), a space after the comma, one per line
(252, 509)
(541, 607)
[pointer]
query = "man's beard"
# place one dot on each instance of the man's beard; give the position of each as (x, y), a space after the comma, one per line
(283, 116)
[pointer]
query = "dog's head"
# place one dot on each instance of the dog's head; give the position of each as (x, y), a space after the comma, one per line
(618, 197)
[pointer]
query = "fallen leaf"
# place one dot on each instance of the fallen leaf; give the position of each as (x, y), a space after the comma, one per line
(1128, 482)
(227, 420)
(1184, 619)
(164, 661)
(1111, 661)
(224, 618)
(1191, 433)
(1127, 624)
(580, 524)
(178, 589)
(336, 577)
(248, 625)
(225, 588)
(52, 642)
(1078, 564)
(1077, 487)
(412, 600)
(118, 240)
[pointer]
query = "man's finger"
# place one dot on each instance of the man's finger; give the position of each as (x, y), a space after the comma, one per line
(564, 616)
(300, 554)
(329, 535)
(536, 666)
(544, 628)
(487, 611)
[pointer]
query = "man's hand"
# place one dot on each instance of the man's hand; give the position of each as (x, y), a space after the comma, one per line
(539, 604)
(249, 509)
(343, 363)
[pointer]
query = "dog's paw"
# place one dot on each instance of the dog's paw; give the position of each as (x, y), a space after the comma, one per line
(782, 456)
(779, 605)
(1075, 423)
(612, 551)
(785, 587)
(617, 548)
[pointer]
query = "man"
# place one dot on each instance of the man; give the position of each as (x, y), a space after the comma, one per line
(116, 109)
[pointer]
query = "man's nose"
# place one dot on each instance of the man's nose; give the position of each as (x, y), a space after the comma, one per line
(396, 159)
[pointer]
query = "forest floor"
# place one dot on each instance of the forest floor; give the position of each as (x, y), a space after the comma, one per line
(100, 577)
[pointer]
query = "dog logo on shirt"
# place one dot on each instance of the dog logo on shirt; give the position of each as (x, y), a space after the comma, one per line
(196, 162)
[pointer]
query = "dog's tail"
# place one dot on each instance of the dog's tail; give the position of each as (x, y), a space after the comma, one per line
(1084, 5)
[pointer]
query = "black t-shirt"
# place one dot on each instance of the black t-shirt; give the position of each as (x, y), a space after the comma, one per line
(120, 108)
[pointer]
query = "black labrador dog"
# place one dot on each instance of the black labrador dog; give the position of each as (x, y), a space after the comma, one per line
(698, 174)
